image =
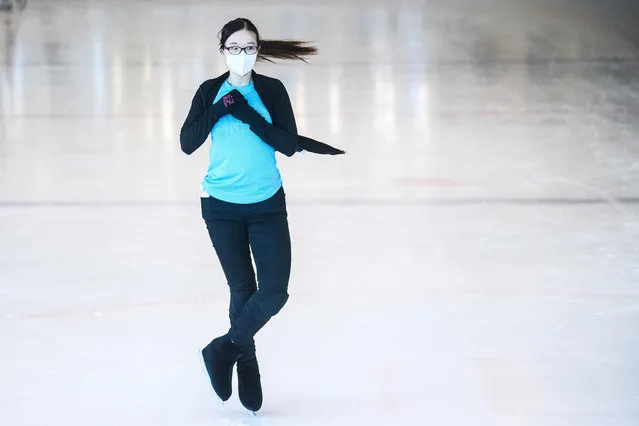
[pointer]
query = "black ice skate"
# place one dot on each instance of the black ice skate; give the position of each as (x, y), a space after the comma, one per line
(248, 382)
(219, 358)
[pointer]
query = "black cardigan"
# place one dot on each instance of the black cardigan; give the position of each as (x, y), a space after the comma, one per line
(202, 118)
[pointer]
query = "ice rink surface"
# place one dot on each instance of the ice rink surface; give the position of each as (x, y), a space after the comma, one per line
(472, 261)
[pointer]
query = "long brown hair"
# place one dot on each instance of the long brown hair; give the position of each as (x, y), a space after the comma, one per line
(269, 49)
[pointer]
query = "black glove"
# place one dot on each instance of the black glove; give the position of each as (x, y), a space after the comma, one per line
(232, 99)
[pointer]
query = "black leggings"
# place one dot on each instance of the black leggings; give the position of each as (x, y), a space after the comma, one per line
(236, 231)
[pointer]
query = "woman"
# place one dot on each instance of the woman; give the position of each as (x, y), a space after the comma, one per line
(249, 117)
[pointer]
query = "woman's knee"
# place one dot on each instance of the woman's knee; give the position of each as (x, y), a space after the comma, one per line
(247, 284)
(271, 303)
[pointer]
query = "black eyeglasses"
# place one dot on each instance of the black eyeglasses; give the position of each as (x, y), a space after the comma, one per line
(236, 50)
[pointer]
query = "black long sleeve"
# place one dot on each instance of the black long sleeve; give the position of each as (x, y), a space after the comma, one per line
(282, 134)
(280, 140)
(198, 124)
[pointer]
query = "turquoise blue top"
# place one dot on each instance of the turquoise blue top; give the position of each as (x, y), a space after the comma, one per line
(242, 167)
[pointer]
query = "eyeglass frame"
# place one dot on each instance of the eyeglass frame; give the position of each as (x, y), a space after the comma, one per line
(242, 49)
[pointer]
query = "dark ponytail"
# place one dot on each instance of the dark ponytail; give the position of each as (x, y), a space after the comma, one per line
(269, 49)
(285, 49)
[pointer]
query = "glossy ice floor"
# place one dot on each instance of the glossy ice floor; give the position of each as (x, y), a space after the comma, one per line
(473, 260)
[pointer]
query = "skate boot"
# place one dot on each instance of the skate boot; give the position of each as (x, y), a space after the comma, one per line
(248, 382)
(219, 358)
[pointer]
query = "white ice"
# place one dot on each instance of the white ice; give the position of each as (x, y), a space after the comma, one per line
(472, 261)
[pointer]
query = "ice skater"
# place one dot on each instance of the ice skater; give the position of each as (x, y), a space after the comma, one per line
(249, 116)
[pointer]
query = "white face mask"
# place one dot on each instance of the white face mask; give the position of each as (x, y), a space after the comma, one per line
(241, 64)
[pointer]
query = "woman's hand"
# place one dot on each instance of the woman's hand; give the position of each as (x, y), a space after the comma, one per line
(228, 102)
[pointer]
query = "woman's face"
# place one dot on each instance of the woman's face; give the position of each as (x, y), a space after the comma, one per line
(240, 62)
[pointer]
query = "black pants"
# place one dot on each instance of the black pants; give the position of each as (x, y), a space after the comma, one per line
(236, 231)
